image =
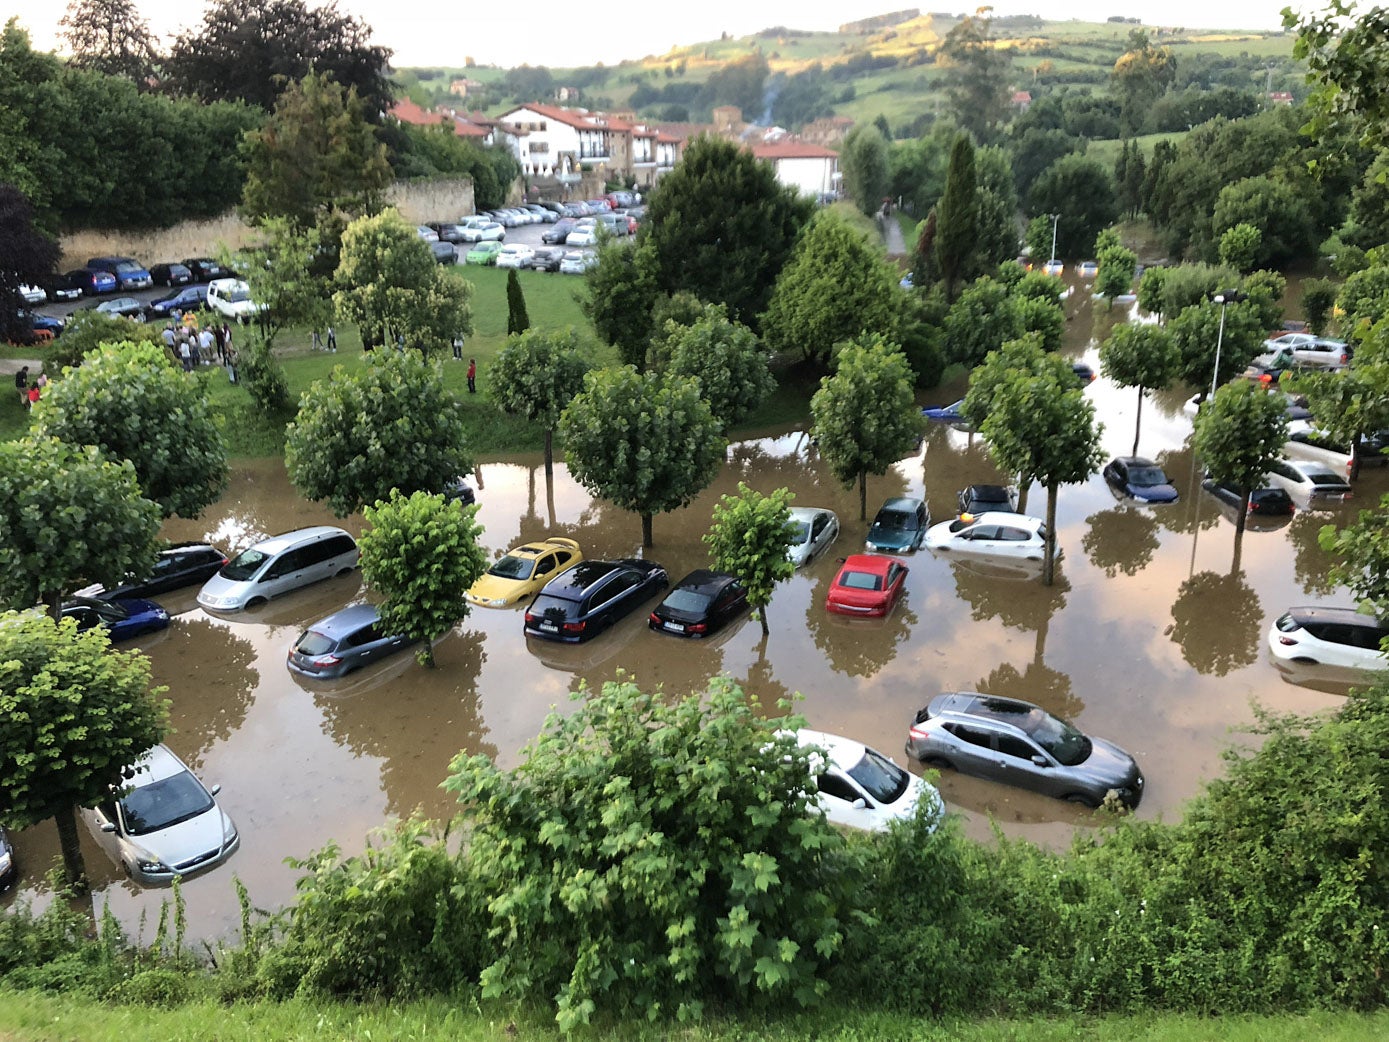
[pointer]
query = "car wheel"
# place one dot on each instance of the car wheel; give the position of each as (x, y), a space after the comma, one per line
(938, 762)
(344, 571)
(254, 603)
(1083, 799)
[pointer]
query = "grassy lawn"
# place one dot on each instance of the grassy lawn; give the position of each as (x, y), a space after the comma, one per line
(38, 1017)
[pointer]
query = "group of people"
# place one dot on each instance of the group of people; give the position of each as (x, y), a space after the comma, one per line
(29, 393)
(193, 346)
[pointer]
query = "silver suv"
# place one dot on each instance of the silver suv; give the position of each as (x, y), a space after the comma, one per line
(1021, 744)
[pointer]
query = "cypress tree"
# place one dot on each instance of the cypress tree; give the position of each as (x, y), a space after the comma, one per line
(517, 321)
(957, 217)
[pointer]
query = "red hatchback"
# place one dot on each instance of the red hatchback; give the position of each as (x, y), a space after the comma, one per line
(866, 585)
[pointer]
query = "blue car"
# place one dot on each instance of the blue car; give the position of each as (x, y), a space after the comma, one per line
(899, 527)
(581, 603)
(93, 281)
(1140, 479)
(952, 413)
(189, 298)
(124, 619)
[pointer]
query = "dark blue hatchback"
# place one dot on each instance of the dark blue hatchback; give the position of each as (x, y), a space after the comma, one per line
(1140, 479)
(581, 603)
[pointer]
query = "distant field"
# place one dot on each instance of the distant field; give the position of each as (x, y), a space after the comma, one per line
(1108, 151)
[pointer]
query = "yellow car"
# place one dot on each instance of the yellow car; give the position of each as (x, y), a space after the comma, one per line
(523, 571)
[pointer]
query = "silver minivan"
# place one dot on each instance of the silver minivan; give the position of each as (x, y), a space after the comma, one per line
(279, 565)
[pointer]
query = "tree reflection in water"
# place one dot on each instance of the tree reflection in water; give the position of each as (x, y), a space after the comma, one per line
(1217, 621)
(1311, 564)
(1121, 540)
(212, 708)
(857, 647)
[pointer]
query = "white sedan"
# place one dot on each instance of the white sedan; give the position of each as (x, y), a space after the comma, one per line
(860, 787)
(576, 262)
(515, 255)
(484, 231)
(813, 530)
(993, 534)
(585, 233)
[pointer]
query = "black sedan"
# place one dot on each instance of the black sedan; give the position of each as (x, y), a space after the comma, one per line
(182, 564)
(581, 603)
(205, 269)
(61, 287)
(171, 274)
(700, 604)
(1263, 502)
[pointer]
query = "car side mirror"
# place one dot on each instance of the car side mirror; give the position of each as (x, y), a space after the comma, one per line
(860, 804)
(108, 826)
(215, 789)
(1040, 761)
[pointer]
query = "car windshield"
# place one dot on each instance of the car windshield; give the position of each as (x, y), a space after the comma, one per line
(1147, 477)
(311, 642)
(687, 600)
(512, 567)
(880, 777)
(164, 803)
(127, 267)
(1067, 745)
(238, 295)
(861, 581)
(244, 565)
(898, 519)
(800, 532)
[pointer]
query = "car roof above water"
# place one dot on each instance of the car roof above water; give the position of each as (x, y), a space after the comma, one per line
(348, 621)
(283, 541)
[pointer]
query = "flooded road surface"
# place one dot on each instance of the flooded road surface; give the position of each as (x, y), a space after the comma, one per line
(1146, 638)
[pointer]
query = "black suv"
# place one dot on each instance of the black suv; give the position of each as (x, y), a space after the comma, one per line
(182, 564)
(581, 603)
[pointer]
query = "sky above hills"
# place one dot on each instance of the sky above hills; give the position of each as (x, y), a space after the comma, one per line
(546, 32)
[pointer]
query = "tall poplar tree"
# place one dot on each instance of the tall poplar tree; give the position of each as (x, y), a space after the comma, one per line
(957, 217)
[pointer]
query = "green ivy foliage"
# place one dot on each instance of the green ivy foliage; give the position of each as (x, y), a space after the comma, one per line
(654, 855)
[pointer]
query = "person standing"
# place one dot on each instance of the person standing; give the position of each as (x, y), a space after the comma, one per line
(458, 349)
(34, 393)
(227, 338)
(169, 338)
(317, 344)
(205, 344)
(332, 340)
(221, 338)
(472, 376)
(21, 384)
(185, 352)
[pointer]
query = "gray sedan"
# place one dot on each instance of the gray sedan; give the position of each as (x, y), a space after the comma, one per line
(1021, 744)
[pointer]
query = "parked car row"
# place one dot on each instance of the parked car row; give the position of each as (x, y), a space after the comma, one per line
(101, 275)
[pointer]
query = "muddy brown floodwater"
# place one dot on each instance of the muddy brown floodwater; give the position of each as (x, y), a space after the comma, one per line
(1146, 639)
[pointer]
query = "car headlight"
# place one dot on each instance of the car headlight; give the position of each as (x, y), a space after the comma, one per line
(228, 831)
(150, 863)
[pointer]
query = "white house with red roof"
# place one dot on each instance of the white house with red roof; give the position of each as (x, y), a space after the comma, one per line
(810, 169)
(560, 141)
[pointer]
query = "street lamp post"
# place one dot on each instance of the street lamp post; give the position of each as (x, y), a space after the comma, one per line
(1223, 298)
(1055, 220)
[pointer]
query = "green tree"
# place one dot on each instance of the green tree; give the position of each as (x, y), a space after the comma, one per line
(722, 227)
(1042, 317)
(726, 359)
(1037, 421)
(1140, 77)
(87, 330)
(110, 37)
(1140, 356)
(283, 273)
(1190, 284)
(1362, 557)
(622, 881)
(1150, 290)
(263, 378)
(1082, 191)
(1115, 275)
(976, 75)
(389, 284)
(1368, 219)
(317, 161)
(131, 402)
(362, 432)
(865, 419)
(1199, 332)
(997, 200)
(1346, 62)
(76, 714)
(749, 538)
(649, 444)
(1240, 247)
(517, 321)
(620, 298)
(864, 162)
(957, 218)
(69, 516)
(421, 554)
(536, 375)
(1318, 298)
(26, 256)
(1238, 433)
(1035, 149)
(1363, 300)
(1275, 209)
(1128, 178)
(1354, 402)
(836, 286)
(925, 271)
(247, 50)
(985, 317)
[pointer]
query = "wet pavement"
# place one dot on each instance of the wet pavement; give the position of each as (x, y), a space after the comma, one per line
(1146, 638)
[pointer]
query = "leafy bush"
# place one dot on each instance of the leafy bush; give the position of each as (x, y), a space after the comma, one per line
(650, 856)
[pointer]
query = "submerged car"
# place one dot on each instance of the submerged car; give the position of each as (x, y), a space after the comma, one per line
(344, 641)
(1263, 502)
(124, 619)
(700, 604)
(979, 499)
(523, 571)
(899, 526)
(951, 413)
(1018, 743)
(859, 787)
(813, 530)
(1140, 479)
(867, 585)
(162, 822)
(994, 533)
(179, 565)
(1329, 637)
(1316, 483)
(589, 598)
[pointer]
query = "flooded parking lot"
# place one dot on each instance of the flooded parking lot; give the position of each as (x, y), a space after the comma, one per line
(1147, 638)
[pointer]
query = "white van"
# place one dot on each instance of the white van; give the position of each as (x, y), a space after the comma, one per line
(279, 565)
(232, 297)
